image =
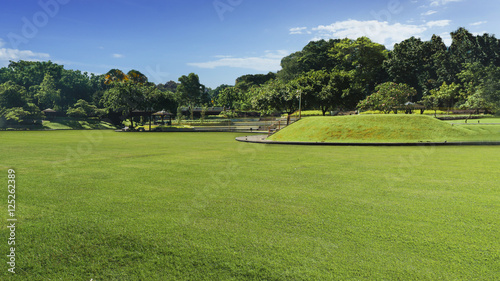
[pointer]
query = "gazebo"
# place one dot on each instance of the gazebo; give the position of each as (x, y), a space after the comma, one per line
(164, 113)
(50, 113)
(410, 106)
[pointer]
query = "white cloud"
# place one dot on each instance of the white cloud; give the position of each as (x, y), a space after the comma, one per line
(299, 30)
(478, 23)
(14, 54)
(117, 56)
(428, 13)
(446, 37)
(270, 61)
(481, 33)
(436, 3)
(438, 23)
(381, 32)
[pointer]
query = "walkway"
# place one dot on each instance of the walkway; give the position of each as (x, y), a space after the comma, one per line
(262, 139)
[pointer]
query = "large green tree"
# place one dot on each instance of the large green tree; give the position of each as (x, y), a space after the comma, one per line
(363, 56)
(388, 97)
(413, 62)
(277, 96)
(190, 91)
(124, 97)
(46, 94)
(12, 95)
(27, 114)
(314, 56)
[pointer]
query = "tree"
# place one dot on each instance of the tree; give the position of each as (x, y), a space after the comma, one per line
(277, 96)
(12, 95)
(47, 95)
(30, 73)
(412, 62)
(491, 87)
(245, 82)
(27, 114)
(115, 75)
(169, 86)
(476, 102)
(228, 97)
(314, 56)
(388, 97)
(447, 94)
(431, 101)
(137, 77)
(82, 108)
(74, 86)
(363, 56)
(124, 97)
(190, 91)
(341, 91)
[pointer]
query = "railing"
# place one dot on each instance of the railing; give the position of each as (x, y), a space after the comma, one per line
(283, 122)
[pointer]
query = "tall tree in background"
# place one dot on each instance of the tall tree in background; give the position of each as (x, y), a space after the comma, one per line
(190, 91)
(124, 97)
(245, 82)
(47, 95)
(412, 62)
(363, 56)
(314, 56)
(115, 75)
(29, 73)
(277, 95)
(137, 77)
(127, 92)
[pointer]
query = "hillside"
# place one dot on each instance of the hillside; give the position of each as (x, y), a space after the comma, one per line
(373, 128)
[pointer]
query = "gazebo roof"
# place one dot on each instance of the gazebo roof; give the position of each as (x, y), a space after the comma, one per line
(49, 110)
(163, 113)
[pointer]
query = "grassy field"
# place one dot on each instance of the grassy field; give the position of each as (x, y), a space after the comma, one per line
(200, 206)
(383, 128)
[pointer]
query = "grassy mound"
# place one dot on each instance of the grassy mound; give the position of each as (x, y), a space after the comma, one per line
(375, 128)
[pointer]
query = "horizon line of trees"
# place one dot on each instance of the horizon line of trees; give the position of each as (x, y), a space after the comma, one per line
(326, 75)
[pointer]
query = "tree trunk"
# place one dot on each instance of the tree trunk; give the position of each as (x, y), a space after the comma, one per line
(150, 117)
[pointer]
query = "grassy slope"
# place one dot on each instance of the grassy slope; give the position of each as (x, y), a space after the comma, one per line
(70, 123)
(379, 128)
(200, 206)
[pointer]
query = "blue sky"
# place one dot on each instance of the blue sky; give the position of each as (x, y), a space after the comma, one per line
(219, 40)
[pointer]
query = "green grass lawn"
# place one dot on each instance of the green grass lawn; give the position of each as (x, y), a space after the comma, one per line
(200, 206)
(383, 128)
(71, 123)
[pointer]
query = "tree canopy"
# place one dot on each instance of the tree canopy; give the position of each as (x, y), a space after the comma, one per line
(326, 75)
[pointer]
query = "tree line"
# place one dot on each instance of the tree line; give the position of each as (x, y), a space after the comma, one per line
(361, 74)
(326, 75)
